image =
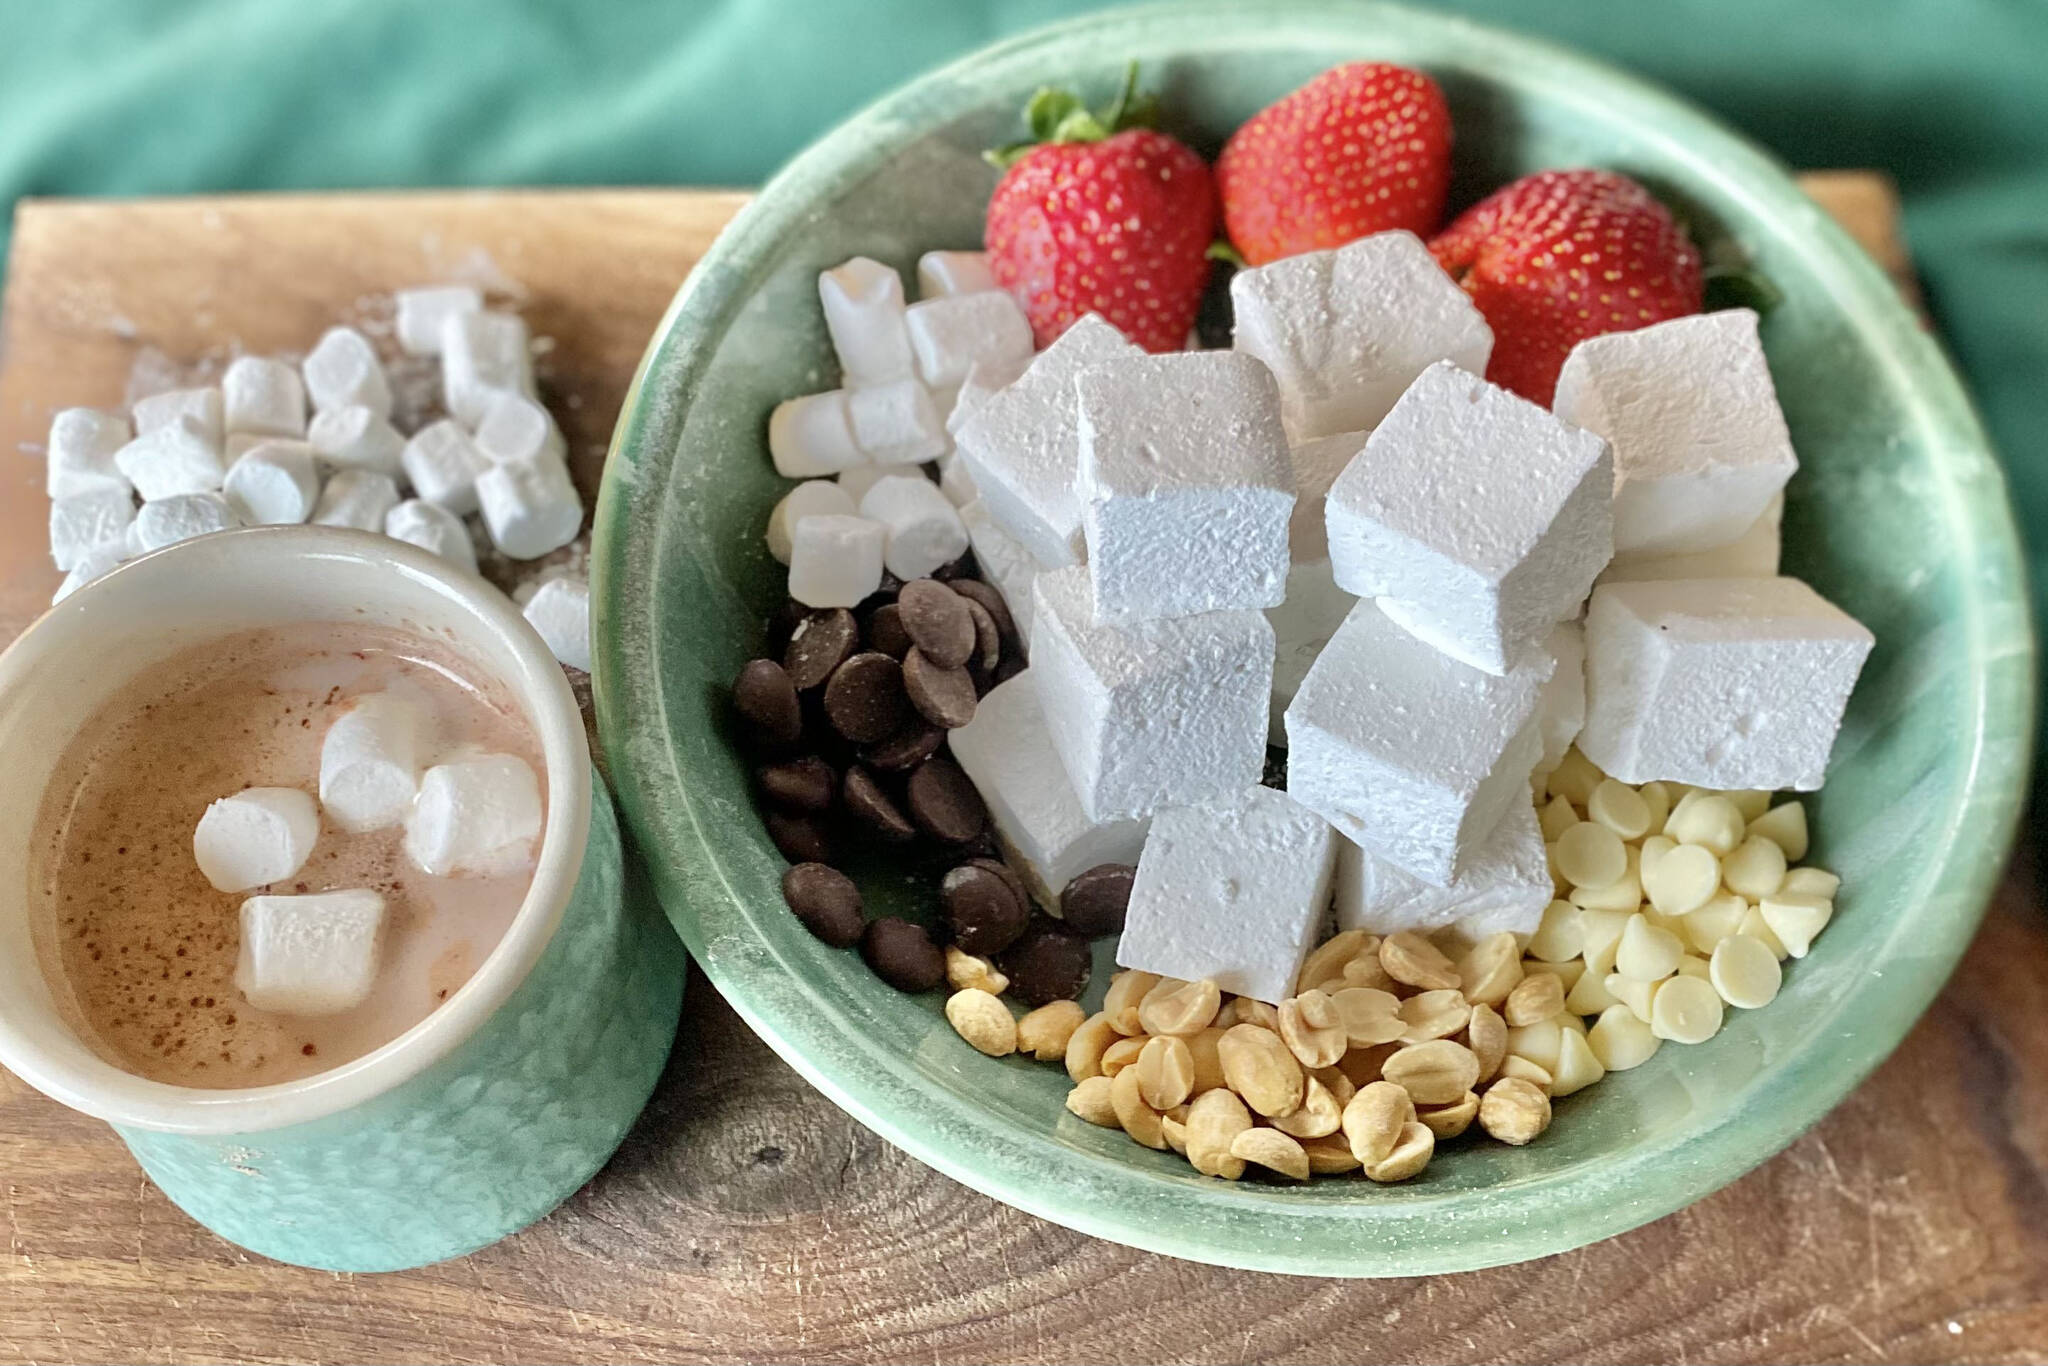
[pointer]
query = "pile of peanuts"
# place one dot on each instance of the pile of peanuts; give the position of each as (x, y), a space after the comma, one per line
(1672, 903)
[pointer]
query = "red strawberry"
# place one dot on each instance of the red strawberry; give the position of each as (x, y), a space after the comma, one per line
(1098, 220)
(1362, 148)
(1561, 256)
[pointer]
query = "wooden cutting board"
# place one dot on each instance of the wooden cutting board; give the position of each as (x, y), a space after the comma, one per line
(746, 1218)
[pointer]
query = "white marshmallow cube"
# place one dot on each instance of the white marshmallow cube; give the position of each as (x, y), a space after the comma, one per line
(273, 484)
(482, 355)
(355, 437)
(1004, 563)
(856, 482)
(515, 427)
(896, 423)
(256, 837)
(475, 817)
(81, 453)
(1561, 707)
(950, 336)
(1700, 445)
(948, 274)
(83, 523)
(1505, 885)
(812, 498)
(1346, 331)
(835, 561)
(342, 371)
(923, 529)
(1007, 751)
(1186, 485)
(1236, 892)
(263, 396)
(370, 762)
(560, 610)
(812, 436)
(1302, 626)
(1733, 684)
(310, 955)
(1022, 444)
(442, 464)
(433, 529)
(203, 406)
(358, 498)
(95, 562)
(167, 521)
(955, 482)
(983, 382)
(863, 302)
(178, 457)
(1317, 464)
(1479, 518)
(1407, 751)
(423, 315)
(530, 507)
(1154, 712)
(1752, 555)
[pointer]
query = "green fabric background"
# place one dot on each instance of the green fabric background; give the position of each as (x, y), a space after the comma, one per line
(149, 96)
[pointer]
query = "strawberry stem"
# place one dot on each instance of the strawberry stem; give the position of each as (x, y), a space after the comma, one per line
(1056, 114)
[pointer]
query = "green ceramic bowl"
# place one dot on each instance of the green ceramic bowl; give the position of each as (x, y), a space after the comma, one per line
(1899, 515)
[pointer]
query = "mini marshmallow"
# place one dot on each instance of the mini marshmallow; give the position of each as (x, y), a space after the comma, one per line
(950, 336)
(983, 382)
(95, 562)
(530, 507)
(273, 484)
(1505, 885)
(442, 464)
(1004, 563)
(812, 498)
(1152, 712)
(1235, 892)
(812, 436)
(166, 521)
(896, 423)
(172, 459)
(955, 482)
(369, 762)
(948, 274)
(82, 450)
(235, 445)
(356, 438)
(1316, 465)
(1302, 626)
(863, 302)
(1561, 707)
(1407, 751)
(263, 396)
(1479, 518)
(1752, 555)
(1022, 444)
(1346, 331)
(475, 817)
(82, 523)
(310, 955)
(1186, 485)
(835, 561)
(482, 354)
(423, 315)
(434, 530)
(1007, 751)
(560, 610)
(342, 371)
(358, 498)
(258, 836)
(1733, 684)
(203, 406)
(924, 529)
(515, 427)
(1700, 445)
(857, 481)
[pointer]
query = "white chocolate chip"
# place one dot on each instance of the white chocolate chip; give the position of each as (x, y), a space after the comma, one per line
(1745, 972)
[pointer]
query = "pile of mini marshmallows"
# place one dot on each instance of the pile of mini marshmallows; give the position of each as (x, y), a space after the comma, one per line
(470, 814)
(245, 453)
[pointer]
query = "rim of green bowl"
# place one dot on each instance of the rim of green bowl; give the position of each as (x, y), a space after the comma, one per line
(1424, 1233)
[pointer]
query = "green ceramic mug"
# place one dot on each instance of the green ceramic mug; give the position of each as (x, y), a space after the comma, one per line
(485, 1115)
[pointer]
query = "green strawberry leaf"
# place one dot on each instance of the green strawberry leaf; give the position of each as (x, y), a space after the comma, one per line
(1007, 155)
(1221, 250)
(1047, 109)
(1079, 126)
(1056, 115)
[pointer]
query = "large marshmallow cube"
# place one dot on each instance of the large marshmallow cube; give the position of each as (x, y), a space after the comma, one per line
(258, 836)
(896, 423)
(530, 507)
(515, 427)
(310, 955)
(1317, 464)
(423, 315)
(1302, 626)
(950, 336)
(1235, 892)
(1004, 562)
(923, 527)
(81, 453)
(1407, 751)
(475, 817)
(1152, 712)
(83, 522)
(1700, 445)
(355, 437)
(1505, 885)
(442, 464)
(342, 371)
(167, 521)
(1478, 518)
(560, 610)
(1346, 331)
(812, 498)
(1186, 484)
(812, 436)
(178, 457)
(1752, 555)
(1022, 444)
(273, 484)
(202, 405)
(1007, 751)
(264, 397)
(433, 529)
(1721, 683)
(1561, 708)
(370, 762)
(947, 274)
(863, 302)
(835, 561)
(482, 355)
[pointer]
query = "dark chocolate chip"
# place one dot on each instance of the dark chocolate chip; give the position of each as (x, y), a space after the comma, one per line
(902, 954)
(1049, 962)
(782, 624)
(991, 601)
(825, 900)
(873, 809)
(765, 696)
(944, 697)
(804, 786)
(1095, 901)
(800, 838)
(886, 633)
(865, 701)
(943, 802)
(822, 640)
(907, 748)
(985, 910)
(938, 622)
(988, 641)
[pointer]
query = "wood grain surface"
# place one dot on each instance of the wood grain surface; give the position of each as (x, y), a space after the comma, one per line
(746, 1219)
